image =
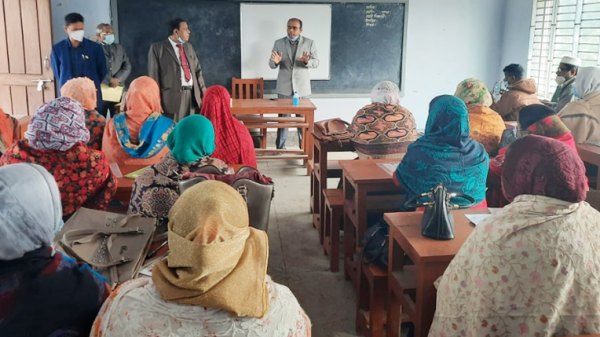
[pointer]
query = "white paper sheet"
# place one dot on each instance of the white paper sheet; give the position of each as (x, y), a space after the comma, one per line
(476, 218)
(388, 167)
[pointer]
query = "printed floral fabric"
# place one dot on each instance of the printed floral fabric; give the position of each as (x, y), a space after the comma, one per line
(136, 309)
(383, 130)
(156, 189)
(83, 175)
(531, 269)
(95, 123)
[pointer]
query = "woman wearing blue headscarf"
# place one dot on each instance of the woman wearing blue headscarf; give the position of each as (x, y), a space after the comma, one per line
(445, 154)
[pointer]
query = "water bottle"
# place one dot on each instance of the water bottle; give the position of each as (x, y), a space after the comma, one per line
(296, 99)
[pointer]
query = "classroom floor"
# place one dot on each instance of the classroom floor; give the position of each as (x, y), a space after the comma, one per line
(296, 256)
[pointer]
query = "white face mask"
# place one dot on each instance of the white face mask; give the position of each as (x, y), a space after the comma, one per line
(560, 80)
(77, 35)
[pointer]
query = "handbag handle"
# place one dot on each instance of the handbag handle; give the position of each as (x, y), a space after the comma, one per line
(415, 201)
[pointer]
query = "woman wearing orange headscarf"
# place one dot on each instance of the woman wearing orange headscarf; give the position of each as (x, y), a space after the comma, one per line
(138, 136)
(8, 131)
(233, 140)
(83, 90)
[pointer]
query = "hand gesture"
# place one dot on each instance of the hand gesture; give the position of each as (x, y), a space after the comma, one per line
(276, 57)
(114, 82)
(305, 57)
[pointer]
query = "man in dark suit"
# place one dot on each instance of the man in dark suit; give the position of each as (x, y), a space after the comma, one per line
(175, 66)
(77, 56)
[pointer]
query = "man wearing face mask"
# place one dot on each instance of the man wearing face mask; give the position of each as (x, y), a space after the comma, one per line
(77, 56)
(174, 65)
(294, 55)
(519, 94)
(565, 78)
(117, 63)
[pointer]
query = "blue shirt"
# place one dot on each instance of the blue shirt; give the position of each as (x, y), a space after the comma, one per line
(76, 58)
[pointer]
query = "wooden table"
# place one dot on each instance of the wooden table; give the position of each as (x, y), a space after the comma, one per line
(410, 288)
(321, 171)
(125, 186)
(367, 188)
(280, 106)
(591, 155)
(22, 124)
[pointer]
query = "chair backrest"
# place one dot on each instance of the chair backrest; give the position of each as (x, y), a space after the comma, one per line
(208, 169)
(247, 88)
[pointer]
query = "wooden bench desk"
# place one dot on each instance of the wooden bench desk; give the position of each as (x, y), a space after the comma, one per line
(22, 124)
(590, 154)
(306, 110)
(125, 186)
(320, 174)
(367, 188)
(430, 257)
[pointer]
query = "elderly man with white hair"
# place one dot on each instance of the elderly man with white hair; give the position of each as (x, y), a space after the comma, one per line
(565, 78)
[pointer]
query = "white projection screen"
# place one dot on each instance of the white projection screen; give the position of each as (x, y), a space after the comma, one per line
(262, 24)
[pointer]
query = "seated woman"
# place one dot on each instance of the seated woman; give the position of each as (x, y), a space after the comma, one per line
(486, 124)
(214, 281)
(445, 154)
(55, 139)
(534, 119)
(532, 268)
(156, 189)
(83, 90)
(60, 296)
(138, 136)
(8, 131)
(234, 144)
(383, 129)
(582, 116)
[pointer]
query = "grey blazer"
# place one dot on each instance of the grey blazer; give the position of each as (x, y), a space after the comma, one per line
(117, 63)
(293, 73)
(163, 66)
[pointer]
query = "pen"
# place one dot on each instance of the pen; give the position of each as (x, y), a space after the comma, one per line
(152, 253)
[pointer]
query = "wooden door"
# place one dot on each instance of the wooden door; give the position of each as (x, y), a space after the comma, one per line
(25, 47)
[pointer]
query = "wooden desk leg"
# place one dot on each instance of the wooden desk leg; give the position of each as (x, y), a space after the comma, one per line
(360, 199)
(349, 233)
(426, 296)
(321, 157)
(310, 116)
(394, 312)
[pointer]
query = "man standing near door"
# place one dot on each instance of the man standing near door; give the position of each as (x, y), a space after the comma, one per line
(77, 56)
(294, 55)
(117, 63)
(174, 65)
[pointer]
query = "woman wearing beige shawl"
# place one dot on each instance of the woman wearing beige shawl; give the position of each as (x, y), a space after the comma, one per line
(213, 283)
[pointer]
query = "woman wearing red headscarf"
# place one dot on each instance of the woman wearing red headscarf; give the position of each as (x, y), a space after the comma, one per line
(233, 140)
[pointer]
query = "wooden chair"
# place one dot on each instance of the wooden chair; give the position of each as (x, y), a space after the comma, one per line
(250, 89)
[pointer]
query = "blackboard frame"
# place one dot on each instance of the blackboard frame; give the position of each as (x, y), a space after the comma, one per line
(268, 93)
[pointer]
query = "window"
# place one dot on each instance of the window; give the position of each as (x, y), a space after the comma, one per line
(559, 28)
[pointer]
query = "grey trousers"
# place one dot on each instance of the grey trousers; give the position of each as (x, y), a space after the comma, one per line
(188, 105)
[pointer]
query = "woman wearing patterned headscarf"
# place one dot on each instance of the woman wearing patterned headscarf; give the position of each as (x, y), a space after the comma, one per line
(155, 191)
(83, 90)
(138, 136)
(535, 119)
(383, 129)
(214, 281)
(445, 154)
(486, 124)
(42, 293)
(532, 268)
(582, 116)
(233, 141)
(56, 139)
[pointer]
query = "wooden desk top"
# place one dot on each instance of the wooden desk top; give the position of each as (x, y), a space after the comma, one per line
(589, 153)
(406, 227)
(269, 106)
(127, 183)
(367, 171)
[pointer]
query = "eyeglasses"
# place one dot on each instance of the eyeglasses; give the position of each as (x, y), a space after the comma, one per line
(560, 70)
(292, 28)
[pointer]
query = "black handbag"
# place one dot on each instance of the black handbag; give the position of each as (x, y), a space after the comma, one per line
(438, 222)
(375, 244)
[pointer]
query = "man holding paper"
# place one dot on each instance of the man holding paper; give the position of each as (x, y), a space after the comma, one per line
(117, 64)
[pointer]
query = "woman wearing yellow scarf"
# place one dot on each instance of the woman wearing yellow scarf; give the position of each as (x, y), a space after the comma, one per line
(214, 282)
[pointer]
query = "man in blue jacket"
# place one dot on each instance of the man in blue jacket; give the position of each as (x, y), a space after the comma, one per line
(77, 56)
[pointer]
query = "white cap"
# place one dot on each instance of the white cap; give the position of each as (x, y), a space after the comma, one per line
(572, 60)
